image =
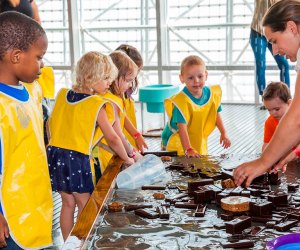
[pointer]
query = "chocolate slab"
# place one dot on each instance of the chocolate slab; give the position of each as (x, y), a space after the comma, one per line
(238, 224)
(153, 187)
(261, 208)
(239, 244)
(146, 213)
(286, 225)
(163, 212)
(200, 211)
(131, 207)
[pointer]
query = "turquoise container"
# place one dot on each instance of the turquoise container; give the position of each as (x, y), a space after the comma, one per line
(154, 96)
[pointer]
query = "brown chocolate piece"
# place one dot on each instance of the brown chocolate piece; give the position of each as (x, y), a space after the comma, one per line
(227, 174)
(130, 207)
(261, 208)
(220, 226)
(292, 187)
(146, 213)
(237, 191)
(163, 212)
(239, 244)
(228, 183)
(212, 192)
(226, 216)
(187, 205)
(176, 166)
(200, 211)
(274, 179)
(270, 224)
(238, 224)
(284, 226)
(194, 185)
(153, 187)
(176, 197)
(199, 197)
(262, 179)
(278, 198)
(161, 153)
(245, 193)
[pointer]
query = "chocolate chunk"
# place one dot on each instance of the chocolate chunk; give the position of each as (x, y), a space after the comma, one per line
(274, 179)
(270, 224)
(163, 212)
(284, 226)
(176, 197)
(245, 193)
(146, 213)
(220, 226)
(278, 198)
(226, 216)
(261, 208)
(238, 224)
(199, 196)
(292, 187)
(237, 191)
(239, 244)
(130, 207)
(200, 211)
(187, 205)
(161, 153)
(153, 187)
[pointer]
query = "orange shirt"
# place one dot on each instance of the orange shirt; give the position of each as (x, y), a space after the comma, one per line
(270, 127)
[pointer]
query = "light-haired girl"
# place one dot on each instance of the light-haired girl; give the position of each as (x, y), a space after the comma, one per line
(80, 118)
(127, 71)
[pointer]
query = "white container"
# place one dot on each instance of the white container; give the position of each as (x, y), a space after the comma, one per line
(146, 171)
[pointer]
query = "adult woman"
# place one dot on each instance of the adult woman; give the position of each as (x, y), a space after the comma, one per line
(282, 29)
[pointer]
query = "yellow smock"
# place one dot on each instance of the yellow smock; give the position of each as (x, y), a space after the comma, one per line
(130, 113)
(26, 196)
(200, 119)
(78, 119)
(104, 155)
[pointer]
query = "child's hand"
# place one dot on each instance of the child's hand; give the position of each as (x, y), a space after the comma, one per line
(192, 153)
(129, 161)
(137, 156)
(225, 141)
(282, 164)
(140, 142)
(4, 233)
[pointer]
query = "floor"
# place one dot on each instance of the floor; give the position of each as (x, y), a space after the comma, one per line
(244, 125)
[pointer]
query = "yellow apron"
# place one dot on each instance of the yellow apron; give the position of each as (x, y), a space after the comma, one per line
(46, 81)
(130, 113)
(78, 119)
(200, 119)
(105, 154)
(26, 196)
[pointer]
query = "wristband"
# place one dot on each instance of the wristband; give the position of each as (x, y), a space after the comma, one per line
(133, 153)
(137, 135)
(296, 151)
(187, 150)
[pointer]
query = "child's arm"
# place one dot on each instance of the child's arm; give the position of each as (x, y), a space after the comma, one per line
(111, 137)
(185, 141)
(139, 139)
(224, 139)
(4, 232)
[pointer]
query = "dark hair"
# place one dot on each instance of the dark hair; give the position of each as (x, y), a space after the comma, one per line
(280, 13)
(18, 31)
(277, 89)
(135, 56)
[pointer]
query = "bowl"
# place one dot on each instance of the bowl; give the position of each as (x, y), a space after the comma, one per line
(285, 242)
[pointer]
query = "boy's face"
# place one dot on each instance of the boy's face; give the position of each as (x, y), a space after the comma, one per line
(102, 86)
(30, 62)
(276, 107)
(194, 77)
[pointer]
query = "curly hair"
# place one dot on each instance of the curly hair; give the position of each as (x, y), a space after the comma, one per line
(18, 31)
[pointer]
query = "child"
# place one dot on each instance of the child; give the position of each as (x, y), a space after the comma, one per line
(276, 98)
(282, 29)
(127, 73)
(26, 199)
(71, 142)
(134, 137)
(193, 112)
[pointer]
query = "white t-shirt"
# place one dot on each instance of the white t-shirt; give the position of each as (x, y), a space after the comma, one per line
(297, 66)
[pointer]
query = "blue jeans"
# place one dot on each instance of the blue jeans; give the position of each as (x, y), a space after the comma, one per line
(11, 245)
(259, 46)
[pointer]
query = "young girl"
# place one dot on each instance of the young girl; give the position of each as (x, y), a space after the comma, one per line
(194, 112)
(134, 137)
(26, 205)
(71, 142)
(282, 29)
(127, 72)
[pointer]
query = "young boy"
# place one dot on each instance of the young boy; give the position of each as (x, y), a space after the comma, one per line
(25, 190)
(194, 112)
(276, 98)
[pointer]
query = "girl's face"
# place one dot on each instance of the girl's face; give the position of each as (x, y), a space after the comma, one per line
(194, 77)
(285, 43)
(102, 86)
(125, 83)
(276, 107)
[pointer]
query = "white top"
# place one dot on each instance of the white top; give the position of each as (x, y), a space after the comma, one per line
(297, 66)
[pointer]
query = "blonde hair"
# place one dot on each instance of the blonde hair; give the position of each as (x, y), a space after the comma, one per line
(125, 66)
(93, 67)
(190, 61)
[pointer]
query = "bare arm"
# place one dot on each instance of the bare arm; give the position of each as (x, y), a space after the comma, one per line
(111, 137)
(224, 139)
(264, 146)
(35, 11)
(185, 141)
(140, 142)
